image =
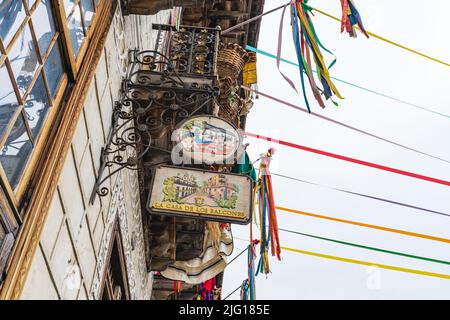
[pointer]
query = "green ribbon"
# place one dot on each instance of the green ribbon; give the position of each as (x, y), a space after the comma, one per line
(367, 247)
(308, 8)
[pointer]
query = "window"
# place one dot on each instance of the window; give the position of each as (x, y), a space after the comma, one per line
(115, 281)
(31, 72)
(42, 45)
(79, 18)
(34, 73)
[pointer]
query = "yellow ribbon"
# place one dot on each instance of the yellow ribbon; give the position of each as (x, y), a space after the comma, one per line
(389, 41)
(324, 70)
(365, 263)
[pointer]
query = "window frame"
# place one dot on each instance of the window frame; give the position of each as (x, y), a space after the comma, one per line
(71, 67)
(9, 224)
(14, 201)
(17, 193)
(63, 17)
(38, 200)
(107, 289)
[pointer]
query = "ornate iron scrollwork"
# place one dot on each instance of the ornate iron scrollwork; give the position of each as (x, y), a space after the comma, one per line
(156, 95)
(193, 50)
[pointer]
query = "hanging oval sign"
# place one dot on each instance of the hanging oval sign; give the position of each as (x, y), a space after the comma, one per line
(206, 140)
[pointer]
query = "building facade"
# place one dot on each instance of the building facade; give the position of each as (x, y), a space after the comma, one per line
(72, 224)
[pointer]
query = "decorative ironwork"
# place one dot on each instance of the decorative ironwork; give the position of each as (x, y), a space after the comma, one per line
(157, 94)
(193, 51)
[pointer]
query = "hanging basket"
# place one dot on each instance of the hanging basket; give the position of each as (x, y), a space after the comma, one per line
(231, 60)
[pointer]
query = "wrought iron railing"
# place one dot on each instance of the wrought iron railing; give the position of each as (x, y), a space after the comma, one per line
(193, 51)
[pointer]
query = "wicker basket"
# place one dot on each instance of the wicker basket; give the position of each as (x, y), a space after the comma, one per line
(231, 60)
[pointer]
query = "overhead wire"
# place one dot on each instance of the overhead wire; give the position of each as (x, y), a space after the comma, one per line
(420, 272)
(232, 292)
(363, 195)
(365, 225)
(360, 262)
(361, 246)
(369, 264)
(376, 36)
(267, 54)
(291, 105)
(391, 42)
(366, 247)
(237, 256)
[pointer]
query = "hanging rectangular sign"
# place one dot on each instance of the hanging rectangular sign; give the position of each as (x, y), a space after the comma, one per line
(208, 195)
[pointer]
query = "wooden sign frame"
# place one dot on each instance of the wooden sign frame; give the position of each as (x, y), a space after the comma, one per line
(193, 193)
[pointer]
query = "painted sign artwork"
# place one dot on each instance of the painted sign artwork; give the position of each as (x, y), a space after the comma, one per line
(207, 139)
(206, 194)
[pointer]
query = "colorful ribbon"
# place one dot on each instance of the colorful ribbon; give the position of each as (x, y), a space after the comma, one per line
(370, 264)
(351, 18)
(343, 124)
(208, 287)
(267, 215)
(349, 159)
(307, 46)
(384, 95)
(365, 195)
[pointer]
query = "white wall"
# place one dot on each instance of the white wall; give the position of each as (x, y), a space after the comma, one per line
(70, 261)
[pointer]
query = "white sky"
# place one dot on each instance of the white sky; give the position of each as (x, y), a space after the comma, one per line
(384, 68)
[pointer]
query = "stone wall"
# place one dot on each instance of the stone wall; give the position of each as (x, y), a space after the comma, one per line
(71, 259)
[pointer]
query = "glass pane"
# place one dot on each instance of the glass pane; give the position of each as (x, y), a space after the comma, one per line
(8, 100)
(44, 25)
(37, 106)
(68, 6)
(16, 152)
(23, 60)
(88, 11)
(54, 69)
(76, 31)
(12, 14)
